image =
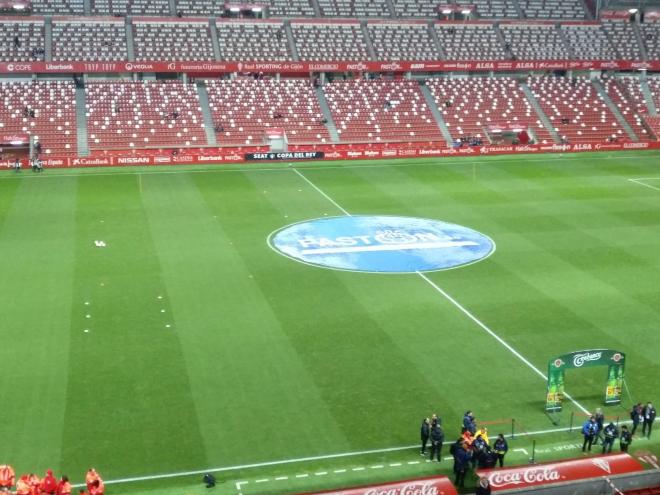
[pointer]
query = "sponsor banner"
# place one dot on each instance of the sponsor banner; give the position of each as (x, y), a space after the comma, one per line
(285, 155)
(14, 139)
(425, 486)
(559, 472)
(615, 14)
(326, 66)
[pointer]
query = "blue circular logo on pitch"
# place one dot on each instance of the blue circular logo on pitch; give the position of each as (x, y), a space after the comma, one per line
(382, 244)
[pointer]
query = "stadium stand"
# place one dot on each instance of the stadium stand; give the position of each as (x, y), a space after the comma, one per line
(58, 7)
(128, 114)
(131, 7)
(470, 42)
(586, 117)
(250, 41)
(651, 36)
(416, 8)
(165, 40)
(654, 86)
(496, 9)
(553, 9)
(322, 41)
(628, 108)
(589, 42)
(291, 8)
(380, 110)
(535, 41)
(403, 42)
(243, 108)
(353, 8)
(200, 7)
(53, 104)
(21, 40)
(475, 104)
(622, 35)
(89, 40)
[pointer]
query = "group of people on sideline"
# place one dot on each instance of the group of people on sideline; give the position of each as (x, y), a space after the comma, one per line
(31, 484)
(472, 449)
(594, 429)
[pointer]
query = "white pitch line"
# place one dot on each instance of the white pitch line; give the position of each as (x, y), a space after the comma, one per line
(524, 451)
(281, 478)
(639, 181)
(321, 192)
(481, 325)
(302, 475)
(338, 471)
(358, 469)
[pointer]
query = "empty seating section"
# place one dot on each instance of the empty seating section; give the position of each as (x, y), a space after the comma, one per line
(471, 105)
(329, 41)
(20, 40)
(200, 7)
(131, 7)
(244, 108)
(416, 8)
(654, 86)
(252, 41)
(589, 42)
(495, 9)
(290, 8)
(89, 40)
(627, 107)
(53, 107)
(172, 41)
(535, 41)
(651, 36)
(381, 110)
(622, 35)
(128, 114)
(58, 7)
(470, 42)
(353, 8)
(553, 9)
(586, 117)
(403, 42)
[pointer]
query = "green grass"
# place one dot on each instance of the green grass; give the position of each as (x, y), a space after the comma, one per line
(266, 359)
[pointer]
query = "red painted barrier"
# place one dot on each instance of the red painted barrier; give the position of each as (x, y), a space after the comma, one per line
(439, 485)
(323, 152)
(560, 472)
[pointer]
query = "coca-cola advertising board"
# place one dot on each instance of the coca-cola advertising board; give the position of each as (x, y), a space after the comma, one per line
(560, 472)
(439, 485)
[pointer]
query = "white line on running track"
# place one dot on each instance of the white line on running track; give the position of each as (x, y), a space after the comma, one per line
(399, 163)
(321, 192)
(481, 325)
(639, 181)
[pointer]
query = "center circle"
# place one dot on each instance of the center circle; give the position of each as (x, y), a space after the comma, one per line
(382, 244)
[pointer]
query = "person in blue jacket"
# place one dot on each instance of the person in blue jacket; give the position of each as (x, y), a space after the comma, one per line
(462, 457)
(589, 431)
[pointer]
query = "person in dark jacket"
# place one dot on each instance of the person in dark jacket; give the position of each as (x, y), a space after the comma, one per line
(437, 437)
(636, 416)
(610, 433)
(461, 464)
(600, 421)
(648, 416)
(469, 423)
(483, 487)
(626, 438)
(589, 431)
(501, 447)
(425, 432)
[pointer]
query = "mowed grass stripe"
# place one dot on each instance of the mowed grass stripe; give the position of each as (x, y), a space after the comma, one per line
(36, 270)
(129, 405)
(254, 399)
(440, 340)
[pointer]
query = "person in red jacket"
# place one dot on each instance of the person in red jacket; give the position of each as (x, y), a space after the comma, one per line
(49, 483)
(91, 477)
(7, 477)
(23, 485)
(35, 484)
(64, 487)
(97, 488)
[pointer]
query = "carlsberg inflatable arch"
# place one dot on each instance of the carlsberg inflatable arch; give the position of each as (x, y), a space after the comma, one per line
(614, 360)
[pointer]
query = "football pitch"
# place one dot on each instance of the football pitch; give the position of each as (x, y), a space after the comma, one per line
(187, 343)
